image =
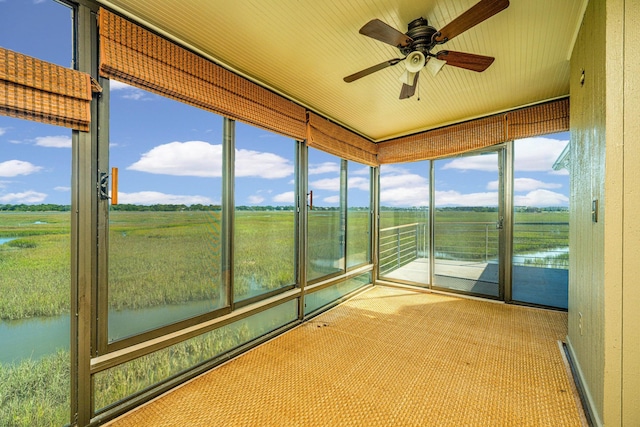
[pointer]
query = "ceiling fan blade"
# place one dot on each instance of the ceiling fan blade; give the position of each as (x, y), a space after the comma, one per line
(482, 10)
(378, 30)
(468, 61)
(371, 70)
(408, 91)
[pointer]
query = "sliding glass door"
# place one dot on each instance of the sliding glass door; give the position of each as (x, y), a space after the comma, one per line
(468, 224)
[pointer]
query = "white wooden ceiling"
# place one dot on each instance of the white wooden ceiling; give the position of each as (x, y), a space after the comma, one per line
(303, 49)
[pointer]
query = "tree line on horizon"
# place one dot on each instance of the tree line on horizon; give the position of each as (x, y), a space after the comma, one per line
(49, 207)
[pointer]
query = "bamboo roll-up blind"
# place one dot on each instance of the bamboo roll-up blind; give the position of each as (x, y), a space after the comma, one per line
(447, 141)
(540, 119)
(137, 56)
(36, 90)
(328, 136)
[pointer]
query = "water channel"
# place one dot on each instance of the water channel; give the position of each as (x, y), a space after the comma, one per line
(41, 336)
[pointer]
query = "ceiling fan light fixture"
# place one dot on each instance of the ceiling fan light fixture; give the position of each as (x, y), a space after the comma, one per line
(406, 77)
(414, 61)
(434, 65)
(413, 64)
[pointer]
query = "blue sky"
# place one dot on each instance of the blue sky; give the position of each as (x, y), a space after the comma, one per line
(168, 152)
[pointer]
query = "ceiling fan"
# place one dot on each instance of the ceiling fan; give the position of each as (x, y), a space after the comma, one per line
(421, 38)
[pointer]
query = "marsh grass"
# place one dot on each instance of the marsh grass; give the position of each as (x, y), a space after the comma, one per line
(264, 258)
(35, 272)
(35, 393)
(165, 258)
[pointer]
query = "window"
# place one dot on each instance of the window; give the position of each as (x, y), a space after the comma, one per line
(326, 218)
(540, 263)
(339, 217)
(35, 262)
(404, 222)
(165, 234)
(264, 241)
(358, 214)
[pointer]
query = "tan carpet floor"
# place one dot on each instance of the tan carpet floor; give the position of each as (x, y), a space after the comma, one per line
(389, 357)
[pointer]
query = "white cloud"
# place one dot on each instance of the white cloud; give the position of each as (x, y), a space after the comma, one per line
(329, 184)
(486, 163)
(255, 199)
(387, 169)
(17, 167)
(359, 183)
(405, 196)
(3, 131)
(531, 155)
(403, 188)
(155, 197)
(454, 198)
(24, 197)
(326, 167)
(63, 189)
(190, 158)
(537, 154)
(333, 184)
(525, 184)
(116, 85)
(61, 141)
(287, 197)
(199, 158)
(136, 95)
(403, 180)
(541, 198)
(364, 171)
(331, 199)
(128, 91)
(263, 165)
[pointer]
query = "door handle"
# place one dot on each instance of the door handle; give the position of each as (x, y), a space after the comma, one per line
(103, 186)
(114, 186)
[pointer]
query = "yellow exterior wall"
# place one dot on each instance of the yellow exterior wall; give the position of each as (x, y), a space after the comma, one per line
(604, 295)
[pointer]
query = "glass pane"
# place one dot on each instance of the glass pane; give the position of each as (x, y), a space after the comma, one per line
(326, 219)
(41, 29)
(466, 213)
(325, 296)
(164, 233)
(404, 222)
(35, 261)
(541, 221)
(125, 380)
(264, 216)
(358, 214)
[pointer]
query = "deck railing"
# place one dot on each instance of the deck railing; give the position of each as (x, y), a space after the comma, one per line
(401, 245)
(535, 244)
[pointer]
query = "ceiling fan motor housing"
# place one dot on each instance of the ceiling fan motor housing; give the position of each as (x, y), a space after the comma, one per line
(422, 34)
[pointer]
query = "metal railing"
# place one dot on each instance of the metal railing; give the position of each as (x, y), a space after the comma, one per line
(535, 244)
(401, 245)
